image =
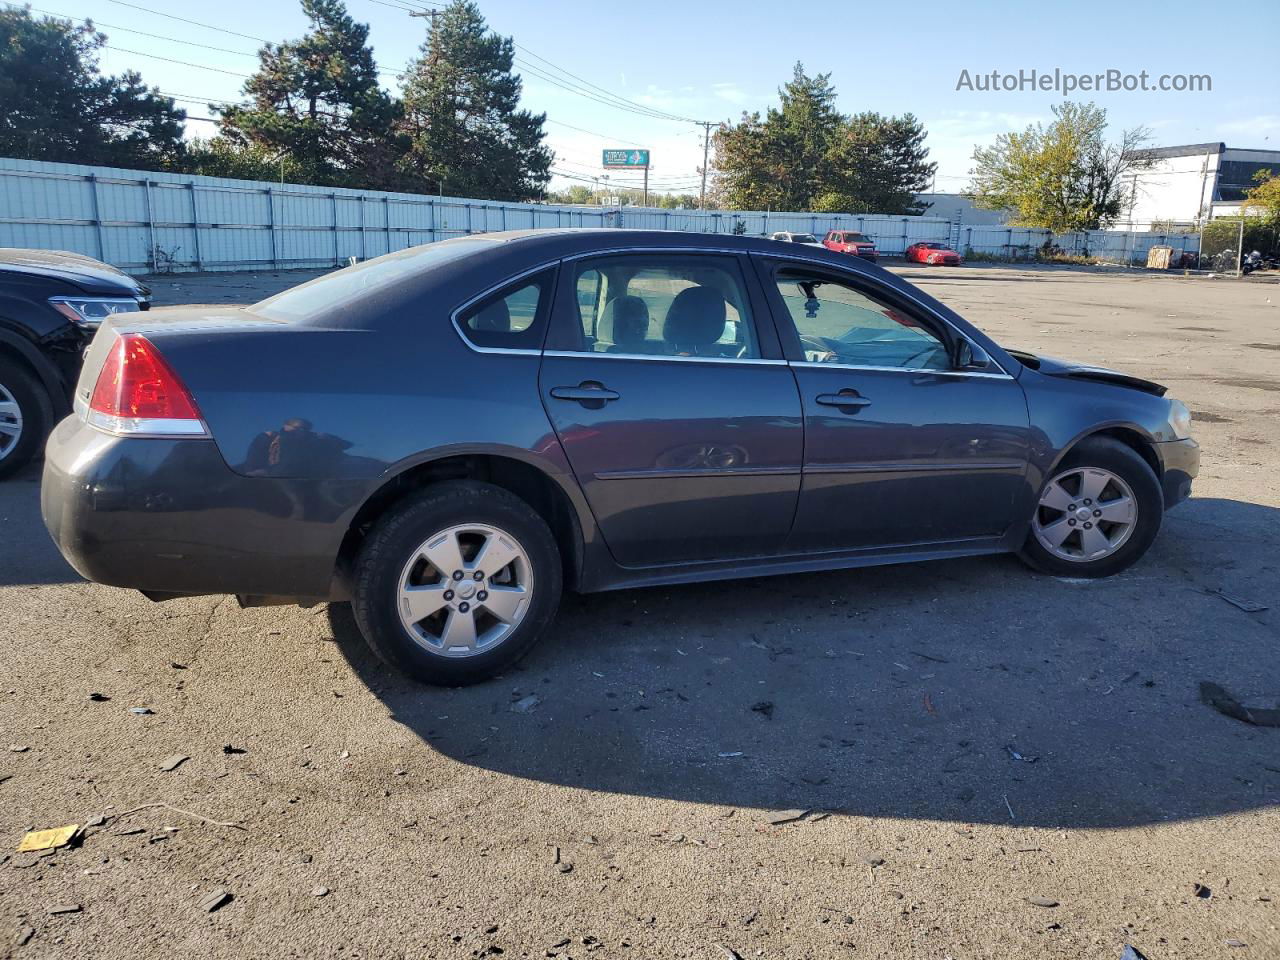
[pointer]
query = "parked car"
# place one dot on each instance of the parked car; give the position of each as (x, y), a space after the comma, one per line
(449, 435)
(935, 254)
(852, 242)
(807, 239)
(51, 301)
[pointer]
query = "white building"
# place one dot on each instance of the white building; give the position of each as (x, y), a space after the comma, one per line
(1193, 183)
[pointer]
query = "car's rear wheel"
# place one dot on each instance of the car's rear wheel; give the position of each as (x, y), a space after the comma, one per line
(455, 585)
(1097, 514)
(25, 416)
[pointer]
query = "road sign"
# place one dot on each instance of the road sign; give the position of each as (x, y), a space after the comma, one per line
(626, 160)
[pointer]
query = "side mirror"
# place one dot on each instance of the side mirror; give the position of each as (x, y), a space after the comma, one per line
(970, 356)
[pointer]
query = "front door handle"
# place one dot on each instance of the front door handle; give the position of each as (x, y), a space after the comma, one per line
(845, 398)
(589, 393)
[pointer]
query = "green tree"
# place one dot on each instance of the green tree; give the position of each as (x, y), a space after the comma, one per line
(1065, 176)
(806, 155)
(466, 133)
(220, 157)
(1264, 199)
(877, 164)
(779, 162)
(55, 105)
(317, 102)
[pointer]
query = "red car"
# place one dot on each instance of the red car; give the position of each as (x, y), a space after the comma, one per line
(938, 254)
(851, 241)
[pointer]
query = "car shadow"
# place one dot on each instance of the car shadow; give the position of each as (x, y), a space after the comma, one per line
(968, 691)
(27, 554)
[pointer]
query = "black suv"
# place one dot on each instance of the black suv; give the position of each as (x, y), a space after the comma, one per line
(51, 302)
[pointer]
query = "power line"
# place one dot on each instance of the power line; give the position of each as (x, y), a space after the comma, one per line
(194, 23)
(184, 63)
(142, 33)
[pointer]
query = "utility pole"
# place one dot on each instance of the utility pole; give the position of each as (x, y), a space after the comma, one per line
(706, 146)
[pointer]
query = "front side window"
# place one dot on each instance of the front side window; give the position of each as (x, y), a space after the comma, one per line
(509, 319)
(840, 324)
(666, 306)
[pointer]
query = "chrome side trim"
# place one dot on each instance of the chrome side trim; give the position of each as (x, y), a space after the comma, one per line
(697, 474)
(650, 356)
(965, 465)
(816, 364)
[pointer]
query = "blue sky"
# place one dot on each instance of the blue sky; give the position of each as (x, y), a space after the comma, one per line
(713, 59)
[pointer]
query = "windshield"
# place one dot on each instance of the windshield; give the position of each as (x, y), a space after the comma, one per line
(803, 238)
(343, 287)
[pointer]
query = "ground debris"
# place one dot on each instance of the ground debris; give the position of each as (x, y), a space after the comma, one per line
(141, 711)
(526, 704)
(728, 952)
(1203, 892)
(1132, 953)
(779, 817)
(1217, 697)
(1248, 606)
(49, 839)
(99, 697)
(24, 936)
(319, 891)
(1025, 758)
(174, 762)
(228, 748)
(1233, 942)
(764, 708)
(64, 908)
(214, 901)
(1042, 901)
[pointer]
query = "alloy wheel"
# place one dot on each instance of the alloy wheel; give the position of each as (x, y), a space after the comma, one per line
(1085, 514)
(10, 422)
(465, 590)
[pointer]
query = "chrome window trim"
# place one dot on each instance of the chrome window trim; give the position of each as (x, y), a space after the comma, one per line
(758, 361)
(466, 305)
(817, 364)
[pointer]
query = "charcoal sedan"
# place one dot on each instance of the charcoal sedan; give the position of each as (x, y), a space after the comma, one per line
(450, 435)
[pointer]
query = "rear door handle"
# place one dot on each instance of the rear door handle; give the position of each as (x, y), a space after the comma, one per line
(589, 393)
(845, 398)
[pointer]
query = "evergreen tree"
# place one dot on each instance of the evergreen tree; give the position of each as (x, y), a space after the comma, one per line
(876, 164)
(806, 155)
(55, 105)
(467, 135)
(318, 102)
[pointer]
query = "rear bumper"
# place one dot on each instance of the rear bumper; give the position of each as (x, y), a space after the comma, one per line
(1181, 462)
(169, 516)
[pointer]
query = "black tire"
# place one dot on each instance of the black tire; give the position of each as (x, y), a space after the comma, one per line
(1107, 454)
(37, 416)
(408, 525)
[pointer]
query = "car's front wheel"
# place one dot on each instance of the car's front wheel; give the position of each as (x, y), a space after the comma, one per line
(456, 584)
(25, 416)
(1097, 514)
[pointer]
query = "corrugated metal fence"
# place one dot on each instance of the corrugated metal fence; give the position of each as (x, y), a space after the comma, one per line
(161, 222)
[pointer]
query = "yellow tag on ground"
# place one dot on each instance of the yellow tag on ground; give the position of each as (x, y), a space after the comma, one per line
(48, 839)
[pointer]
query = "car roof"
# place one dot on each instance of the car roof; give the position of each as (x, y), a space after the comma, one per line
(91, 275)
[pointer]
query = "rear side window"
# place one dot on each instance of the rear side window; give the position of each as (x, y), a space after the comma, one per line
(513, 318)
(664, 305)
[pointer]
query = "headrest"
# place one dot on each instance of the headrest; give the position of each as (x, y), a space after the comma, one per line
(695, 318)
(495, 318)
(626, 321)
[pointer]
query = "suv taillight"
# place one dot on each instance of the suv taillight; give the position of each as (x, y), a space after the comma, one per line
(138, 394)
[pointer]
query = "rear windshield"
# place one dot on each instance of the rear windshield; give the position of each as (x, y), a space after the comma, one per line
(803, 238)
(854, 238)
(343, 287)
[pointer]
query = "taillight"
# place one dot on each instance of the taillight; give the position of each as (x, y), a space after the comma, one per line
(138, 393)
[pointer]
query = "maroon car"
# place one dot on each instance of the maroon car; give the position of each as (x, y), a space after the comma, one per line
(851, 242)
(935, 254)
